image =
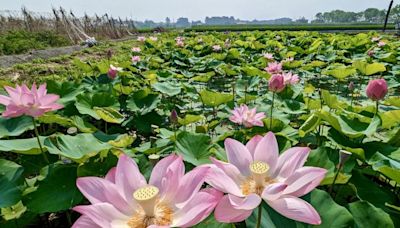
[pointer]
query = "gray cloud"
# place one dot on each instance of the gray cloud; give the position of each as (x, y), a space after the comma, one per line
(158, 10)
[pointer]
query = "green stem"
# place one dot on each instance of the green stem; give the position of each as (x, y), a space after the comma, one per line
(377, 108)
(272, 108)
(38, 140)
(335, 178)
(258, 225)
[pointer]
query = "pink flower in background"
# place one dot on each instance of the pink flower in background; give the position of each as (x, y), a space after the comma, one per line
(179, 38)
(381, 43)
(113, 71)
(256, 172)
(31, 102)
(377, 89)
(276, 83)
(136, 49)
(124, 198)
(227, 43)
(135, 59)
(290, 78)
(371, 53)
(375, 39)
(268, 56)
(274, 68)
(216, 48)
(141, 38)
(153, 38)
(180, 43)
(247, 117)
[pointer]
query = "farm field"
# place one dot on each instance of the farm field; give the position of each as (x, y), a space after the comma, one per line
(273, 129)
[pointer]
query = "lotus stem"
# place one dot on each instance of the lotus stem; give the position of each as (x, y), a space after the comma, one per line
(258, 225)
(335, 178)
(38, 140)
(377, 108)
(272, 108)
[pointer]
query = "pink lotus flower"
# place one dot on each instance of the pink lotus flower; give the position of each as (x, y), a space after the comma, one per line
(290, 78)
(268, 56)
(136, 49)
(381, 43)
(377, 89)
(135, 59)
(216, 48)
(125, 199)
(113, 71)
(180, 43)
(274, 68)
(31, 102)
(179, 38)
(141, 38)
(256, 171)
(276, 83)
(375, 39)
(153, 38)
(371, 53)
(247, 117)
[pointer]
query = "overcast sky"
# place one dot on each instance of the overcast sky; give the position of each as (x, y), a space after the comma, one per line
(158, 10)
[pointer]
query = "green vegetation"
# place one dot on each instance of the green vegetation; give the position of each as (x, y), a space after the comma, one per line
(21, 41)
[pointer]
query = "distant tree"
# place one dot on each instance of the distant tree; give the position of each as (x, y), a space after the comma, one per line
(167, 22)
(302, 20)
(374, 15)
(182, 22)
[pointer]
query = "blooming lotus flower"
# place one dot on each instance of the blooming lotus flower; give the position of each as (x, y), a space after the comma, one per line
(268, 56)
(179, 38)
(113, 71)
(381, 43)
(247, 117)
(180, 43)
(216, 47)
(141, 38)
(136, 49)
(290, 78)
(377, 89)
(255, 171)
(31, 102)
(276, 83)
(135, 59)
(274, 68)
(153, 38)
(124, 199)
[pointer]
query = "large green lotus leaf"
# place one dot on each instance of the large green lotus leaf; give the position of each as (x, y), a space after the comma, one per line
(85, 103)
(22, 146)
(340, 72)
(52, 118)
(309, 125)
(390, 118)
(56, 192)
(395, 101)
(350, 127)
(215, 99)
(330, 99)
(369, 69)
(97, 166)
(145, 104)
(189, 119)
(169, 88)
(108, 114)
(195, 148)
(367, 216)
(66, 90)
(15, 126)
(10, 178)
(75, 147)
(204, 77)
(389, 167)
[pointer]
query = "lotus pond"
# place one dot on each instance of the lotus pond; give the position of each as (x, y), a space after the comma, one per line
(273, 129)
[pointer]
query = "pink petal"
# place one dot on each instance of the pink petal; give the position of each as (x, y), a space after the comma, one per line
(230, 170)
(290, 160)
(101, 214)
(190, 184)
(27, 99)
(110, 176)
(245, 203)
(98, 190)
(48, 99)
(85, 222)
(296, 209)
(273, 191)
(160, 169)
(4, 100)
(267, 151)
(197, 209)
(238, 155)
(303, 180)
(226, 213)
(218, 179)
(252, 144)
(170, 182)
(42, 90)
(15, 94)
(128, 177)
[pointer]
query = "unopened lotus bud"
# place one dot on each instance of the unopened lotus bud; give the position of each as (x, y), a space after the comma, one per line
(173, 118)
(351, 86)
(343, 157)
